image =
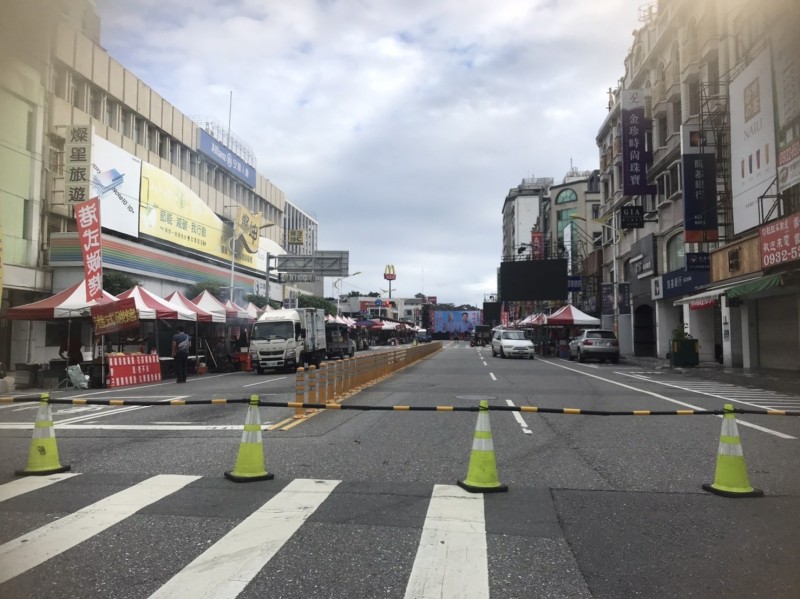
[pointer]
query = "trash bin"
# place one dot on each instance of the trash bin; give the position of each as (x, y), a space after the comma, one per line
(563, 349)
(684, 352)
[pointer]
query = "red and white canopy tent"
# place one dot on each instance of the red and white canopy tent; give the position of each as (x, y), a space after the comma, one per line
(235, 311)
(569, 315)
(70, 303)
(150, 306)
(177, 298)
(253, 311)
(206, 301)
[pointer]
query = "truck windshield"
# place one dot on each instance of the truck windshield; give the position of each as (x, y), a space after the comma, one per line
(272, 330)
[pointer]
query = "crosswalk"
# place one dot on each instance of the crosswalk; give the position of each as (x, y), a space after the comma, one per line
(752, 397)
(233, 538)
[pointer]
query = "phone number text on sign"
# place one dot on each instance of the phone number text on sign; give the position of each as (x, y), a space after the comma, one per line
(780, 241)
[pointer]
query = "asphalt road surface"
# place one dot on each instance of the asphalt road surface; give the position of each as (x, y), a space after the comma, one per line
(364, 504)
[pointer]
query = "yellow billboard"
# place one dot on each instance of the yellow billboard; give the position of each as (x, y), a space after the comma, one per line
(172, 212)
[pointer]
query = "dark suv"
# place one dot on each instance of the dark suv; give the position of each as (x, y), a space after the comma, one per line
(598, 344)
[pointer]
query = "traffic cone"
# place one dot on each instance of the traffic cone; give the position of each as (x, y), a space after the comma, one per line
(43, 453)
(482, 473)
(730, 478)
(250, 461)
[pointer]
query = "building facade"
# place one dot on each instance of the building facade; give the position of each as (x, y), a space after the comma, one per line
(700, 179)
(172, 188)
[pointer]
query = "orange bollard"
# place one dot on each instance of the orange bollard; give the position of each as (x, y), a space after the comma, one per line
(300, 391)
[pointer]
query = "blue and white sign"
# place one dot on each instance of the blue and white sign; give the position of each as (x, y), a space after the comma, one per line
(378, 302)
(230, 161)
(682, 282)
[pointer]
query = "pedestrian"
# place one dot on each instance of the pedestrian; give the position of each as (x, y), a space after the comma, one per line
(72, 347)
(181, 342)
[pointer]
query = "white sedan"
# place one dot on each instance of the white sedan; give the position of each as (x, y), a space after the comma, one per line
(512, 344)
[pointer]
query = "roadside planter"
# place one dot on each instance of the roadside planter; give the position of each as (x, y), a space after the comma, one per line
(684, 352)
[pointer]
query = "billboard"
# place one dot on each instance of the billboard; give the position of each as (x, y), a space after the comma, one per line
(227, 159)
(455, 321)
(753, 159)
(172, 212)
(116, 180)
(786, 67)
(530, 280)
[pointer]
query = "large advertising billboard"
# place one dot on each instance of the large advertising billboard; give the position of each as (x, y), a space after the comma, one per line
(172, 212)
(455, 321)
(786, 67)
(226, 158)
(116, 177)
(753, 156)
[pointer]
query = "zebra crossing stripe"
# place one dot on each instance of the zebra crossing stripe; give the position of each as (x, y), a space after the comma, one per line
(31, 483)
(226, 568)
(30, 550)
(452, 558)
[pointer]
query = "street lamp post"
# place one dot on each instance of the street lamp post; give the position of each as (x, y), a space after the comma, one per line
(232, 246)
(337, 285)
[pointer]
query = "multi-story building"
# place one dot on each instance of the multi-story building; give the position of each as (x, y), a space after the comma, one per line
(699, 177)
(170, 186)
(520, 213)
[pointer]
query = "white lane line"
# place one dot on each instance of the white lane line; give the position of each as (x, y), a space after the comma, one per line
(491, 374)
(452, 559)
(226, 568)
(21, 486)
(36, 547)
(518, 418)
(264, 382)
(11, 426)
(669, 399)
(691, 389)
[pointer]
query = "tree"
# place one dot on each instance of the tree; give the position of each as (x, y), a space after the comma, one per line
(198, 288)
(313, 301)
(116, 282)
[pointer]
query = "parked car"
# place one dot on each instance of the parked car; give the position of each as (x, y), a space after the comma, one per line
(512, 344)
(596, 344)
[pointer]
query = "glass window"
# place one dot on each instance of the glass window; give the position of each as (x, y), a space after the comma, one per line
(96, 103)
(79, 93)
(111, 113)
(126, 117)
(140, 131)
(675, 253)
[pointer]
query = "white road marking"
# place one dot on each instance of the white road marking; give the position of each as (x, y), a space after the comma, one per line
(518, 418)
(491, 374)
(452, 559)
(21, 486)
(264, 381)
(669, 399)
(8, 426)
(226, 568)
(36, 547)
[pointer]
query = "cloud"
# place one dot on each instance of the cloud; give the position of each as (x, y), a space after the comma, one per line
(400, 125)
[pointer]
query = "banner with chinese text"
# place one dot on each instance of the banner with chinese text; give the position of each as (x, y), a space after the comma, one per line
(115, 316)
(87, 215)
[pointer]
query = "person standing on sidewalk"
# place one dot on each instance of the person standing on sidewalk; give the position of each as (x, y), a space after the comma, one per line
(181, 342)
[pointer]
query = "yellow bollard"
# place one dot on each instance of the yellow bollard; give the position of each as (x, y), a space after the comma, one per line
(300, 390)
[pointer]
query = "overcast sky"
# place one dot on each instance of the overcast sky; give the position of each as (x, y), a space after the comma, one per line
(400, 125)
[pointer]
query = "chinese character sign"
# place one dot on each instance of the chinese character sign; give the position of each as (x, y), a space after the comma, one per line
(247, 225)
(537, 245)
(699, 198)
(780, 241)
(115, 316)
(78, 164)
(635, 155)
(87, 215)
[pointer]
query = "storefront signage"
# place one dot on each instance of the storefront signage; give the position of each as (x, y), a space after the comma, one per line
(634, 153)
(227, 159)
(87, 215)
(537, 245)
(78, 164)
(786, 68)
(780, 241)
(296, 237)
(682, 282)
(624, 298)
(631, 217)
(133, 370)
(699, 198)
(574, 283)
(115, 316)
(607, 297)
(698, 261)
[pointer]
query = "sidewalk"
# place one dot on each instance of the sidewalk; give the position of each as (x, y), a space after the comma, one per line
(779, 381)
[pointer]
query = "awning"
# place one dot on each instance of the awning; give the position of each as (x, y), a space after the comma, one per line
(761, 284)
(713, 294)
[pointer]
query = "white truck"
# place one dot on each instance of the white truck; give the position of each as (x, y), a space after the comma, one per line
(287, 339)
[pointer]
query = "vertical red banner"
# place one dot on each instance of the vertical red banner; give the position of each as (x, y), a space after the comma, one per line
(537, 245)
(87, 215)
